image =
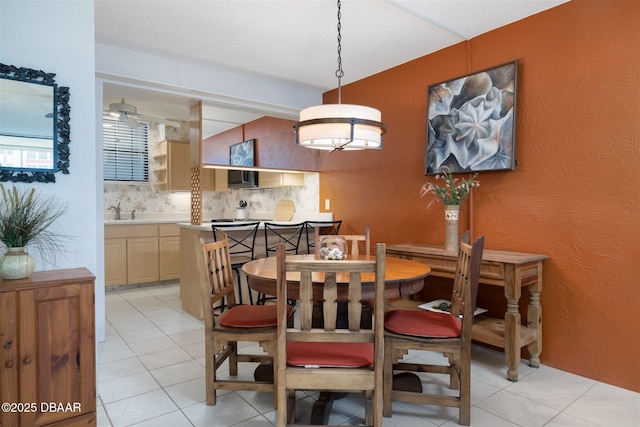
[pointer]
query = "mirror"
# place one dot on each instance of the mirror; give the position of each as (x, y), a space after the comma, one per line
(34, 125)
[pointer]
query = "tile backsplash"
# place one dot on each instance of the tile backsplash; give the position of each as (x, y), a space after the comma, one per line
(148, 198)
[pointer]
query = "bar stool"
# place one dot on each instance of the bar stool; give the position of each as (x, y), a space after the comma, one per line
(242, 242)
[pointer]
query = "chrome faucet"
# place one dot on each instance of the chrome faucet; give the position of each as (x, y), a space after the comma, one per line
(117, 209)
(133, 214)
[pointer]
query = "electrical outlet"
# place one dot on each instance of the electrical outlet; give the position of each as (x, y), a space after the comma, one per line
(327, 204)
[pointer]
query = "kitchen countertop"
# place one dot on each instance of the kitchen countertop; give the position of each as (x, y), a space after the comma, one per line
(141, 221)
(206, 224)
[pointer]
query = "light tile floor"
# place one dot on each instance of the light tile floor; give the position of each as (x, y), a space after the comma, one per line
(151, 373)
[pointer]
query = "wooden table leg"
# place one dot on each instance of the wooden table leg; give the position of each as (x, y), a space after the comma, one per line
(534, 319)
(322, 407)
(512, 322)
(407, 381)
(403, 381)
(264, 372)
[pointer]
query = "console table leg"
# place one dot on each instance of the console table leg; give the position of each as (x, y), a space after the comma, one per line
(534, 319)
(511, 339)
(512, 322)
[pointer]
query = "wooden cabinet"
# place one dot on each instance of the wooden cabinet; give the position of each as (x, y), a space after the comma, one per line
(169, 251)
(142, 259)
(115, 260)
(221, 178)
(174, 168)
(280, 179)
(47, 349)
(141, 253)
(509, 270)
(190, 296)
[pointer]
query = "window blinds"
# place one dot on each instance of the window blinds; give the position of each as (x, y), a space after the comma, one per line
(126, 151)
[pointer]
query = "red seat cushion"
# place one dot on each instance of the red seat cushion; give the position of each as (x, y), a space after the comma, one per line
(423, 323)
(251, 316)
(329, 354)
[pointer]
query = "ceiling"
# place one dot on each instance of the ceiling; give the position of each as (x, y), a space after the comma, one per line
(292, 41)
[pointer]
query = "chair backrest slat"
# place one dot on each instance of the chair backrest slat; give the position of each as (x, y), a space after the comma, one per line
(306, 300)
(330, 301)
(355, 300)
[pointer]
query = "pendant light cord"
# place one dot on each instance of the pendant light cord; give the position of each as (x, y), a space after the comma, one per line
(339, 72)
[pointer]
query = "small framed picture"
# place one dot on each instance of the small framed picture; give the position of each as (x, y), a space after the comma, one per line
(471, 122)
(242, 153)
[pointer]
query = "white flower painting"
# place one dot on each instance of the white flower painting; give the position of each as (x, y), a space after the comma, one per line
(471, 122)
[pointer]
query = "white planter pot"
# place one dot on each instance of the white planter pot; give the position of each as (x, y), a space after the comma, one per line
(16, 264)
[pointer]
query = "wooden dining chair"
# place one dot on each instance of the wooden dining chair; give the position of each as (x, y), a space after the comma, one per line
(447, 333)
(242, 243)
(240, 323)
(323, 228)
(326, 358)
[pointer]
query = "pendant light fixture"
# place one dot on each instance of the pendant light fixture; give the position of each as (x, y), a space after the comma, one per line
(340, 126)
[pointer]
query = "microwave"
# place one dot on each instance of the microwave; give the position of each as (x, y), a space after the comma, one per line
(242, 179)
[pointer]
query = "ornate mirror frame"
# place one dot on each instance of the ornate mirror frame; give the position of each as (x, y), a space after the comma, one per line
(62, 129)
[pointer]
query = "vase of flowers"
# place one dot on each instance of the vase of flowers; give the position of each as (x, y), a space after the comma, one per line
(26, 219)
(451, 194)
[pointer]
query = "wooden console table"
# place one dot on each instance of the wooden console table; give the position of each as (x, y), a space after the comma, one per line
(512, 271)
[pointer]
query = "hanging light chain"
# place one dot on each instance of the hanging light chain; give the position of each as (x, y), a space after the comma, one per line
(339, 72)
(324, 127)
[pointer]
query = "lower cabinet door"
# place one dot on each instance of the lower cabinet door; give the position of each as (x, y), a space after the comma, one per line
(115, 262)
(56, 353)
(142, 260)
(9, 357)
(169, 257)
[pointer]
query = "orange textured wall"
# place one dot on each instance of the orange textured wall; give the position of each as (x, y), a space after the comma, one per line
(573, 196)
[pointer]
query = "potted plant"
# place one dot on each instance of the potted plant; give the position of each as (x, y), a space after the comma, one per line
(25, 220)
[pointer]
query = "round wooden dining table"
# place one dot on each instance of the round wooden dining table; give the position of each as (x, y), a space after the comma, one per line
(402, 278)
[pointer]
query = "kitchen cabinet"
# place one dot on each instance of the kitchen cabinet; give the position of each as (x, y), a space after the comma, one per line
(47, 351)
(142, 260)
(174, 168)
(221, 179)
(115, 260)
(169, 251)
(141, 253)
(280, 179)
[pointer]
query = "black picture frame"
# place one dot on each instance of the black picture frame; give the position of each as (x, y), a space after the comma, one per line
(242, 153)
(471, 122)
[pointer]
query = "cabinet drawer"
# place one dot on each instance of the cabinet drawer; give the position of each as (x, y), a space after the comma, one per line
(126, 231)
(168, 230)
